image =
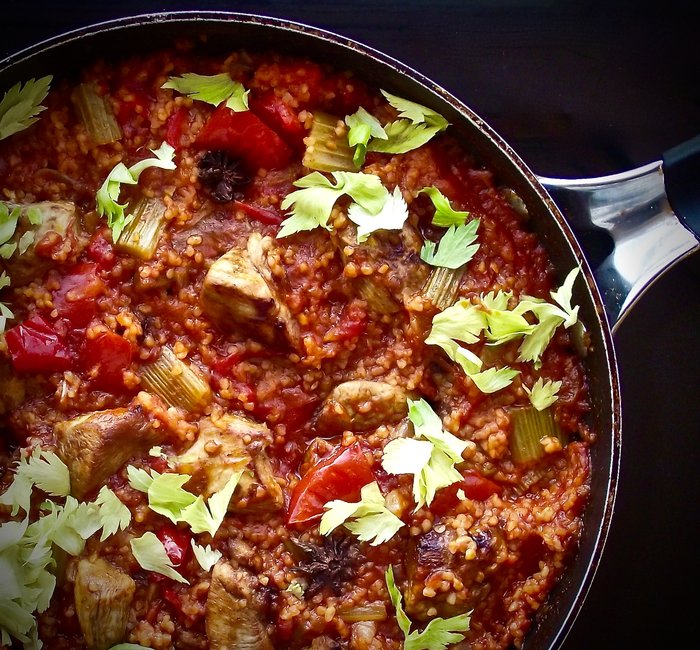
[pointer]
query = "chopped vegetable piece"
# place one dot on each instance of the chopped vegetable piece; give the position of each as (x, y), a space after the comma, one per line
(367, 612)
(246, 136)
(437, 635)
(281, 118)
(543, 394)
(176, 382)
(5, 311)
(312, 204)
(442, 286)
(372, 521)
(430, 456)
(530, 428)
(445, 215)
(75, 299)
(20, 105)
(327, 148)
(104, 360)
(176, 543)
(212, 89)
(96, 114)
(456, 246)
(151, 555)
(341, 475)
(205, 555)
(145, 222)
(35, 346)
(114, 515)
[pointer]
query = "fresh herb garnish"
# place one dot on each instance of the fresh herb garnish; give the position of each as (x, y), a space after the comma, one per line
(108, 194)
(312, 204)
(445, 215)
(212, 89)
(113, 514)
(363, 126)
(437, 635)
(455, 249)
(392, 216)
(20, 105)
(543, 393)
(430, 455)
(370, 519)
(5, 311)
(205, 555)
(150, 553)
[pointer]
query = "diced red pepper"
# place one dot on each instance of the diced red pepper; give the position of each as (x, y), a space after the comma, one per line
(75, 299)
(176, 543)
(272, 110)
(245, 135)
(263, 215)
(174, 127)
(105, 358)
(475, 487)
(35, 346)
(341, 475)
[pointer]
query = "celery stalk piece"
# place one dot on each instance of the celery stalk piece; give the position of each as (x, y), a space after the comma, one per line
(327, 148)
(176, 382)
(96, 114)
(528, 428)
(140, 237)
(441, 287)
(365, 612)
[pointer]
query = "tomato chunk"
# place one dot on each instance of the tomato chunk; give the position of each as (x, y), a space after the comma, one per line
(475, 487)
(245, 135)
(176, 543)
(105, 358)
(35, 346)
(341, 475)
(74, 300)
(174, 127)
(280, 118)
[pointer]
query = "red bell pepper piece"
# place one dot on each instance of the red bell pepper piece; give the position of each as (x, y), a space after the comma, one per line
(245, 135)
(263, 215)
(106, 357)
(176, 543)
(35, 346)
(75, 300)
(341, 475)
(174, 127)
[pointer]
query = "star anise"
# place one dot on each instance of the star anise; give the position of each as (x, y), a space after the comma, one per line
(223, 175)
(330, 565)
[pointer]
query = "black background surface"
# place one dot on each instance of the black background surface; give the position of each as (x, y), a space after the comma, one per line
(578, 89)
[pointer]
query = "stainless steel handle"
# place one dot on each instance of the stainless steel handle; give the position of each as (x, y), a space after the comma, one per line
(633, 209)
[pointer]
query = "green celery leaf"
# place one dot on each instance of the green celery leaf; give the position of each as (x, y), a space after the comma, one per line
(8, 222)
(391, 217)
(543, 393)
(403, 136)
(206, 557)
(212, 89)
(492, 380)
(462, 322)
(445, 215)
(416, 113)
(140, 479)
(114, 515)
(20, 105)
(396, 600)
(149, 552)
(167, 497)
(455, 249)
(363, 126)
(371, 521)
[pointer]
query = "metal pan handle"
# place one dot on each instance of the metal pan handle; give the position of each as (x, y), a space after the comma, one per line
(635, 225)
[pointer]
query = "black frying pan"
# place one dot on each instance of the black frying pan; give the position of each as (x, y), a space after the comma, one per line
(601, 304)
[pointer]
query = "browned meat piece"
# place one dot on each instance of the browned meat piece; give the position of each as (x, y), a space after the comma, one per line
(361, 405)
(226, 446)
(239, 291)
(103, 596)
(232, 621)
(55, 240)
(97, 444)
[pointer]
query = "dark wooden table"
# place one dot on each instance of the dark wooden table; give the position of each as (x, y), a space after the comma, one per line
(578, 89)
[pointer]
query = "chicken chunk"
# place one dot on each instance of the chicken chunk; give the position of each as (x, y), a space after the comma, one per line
(55, 239)
(228, 445)
(232, 620)
(97, 444)
(361, 405)
(103, 596)
(239, 291)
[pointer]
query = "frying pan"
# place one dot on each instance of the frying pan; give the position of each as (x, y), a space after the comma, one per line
(636, 213)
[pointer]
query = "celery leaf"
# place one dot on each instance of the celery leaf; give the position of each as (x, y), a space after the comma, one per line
(391, 217)
(212, 89)
(543, 393)
(149, 552)
(21, 105)
(455, 249)
(114, 515)
(445, 215)
(205, 555)
(363, 126)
